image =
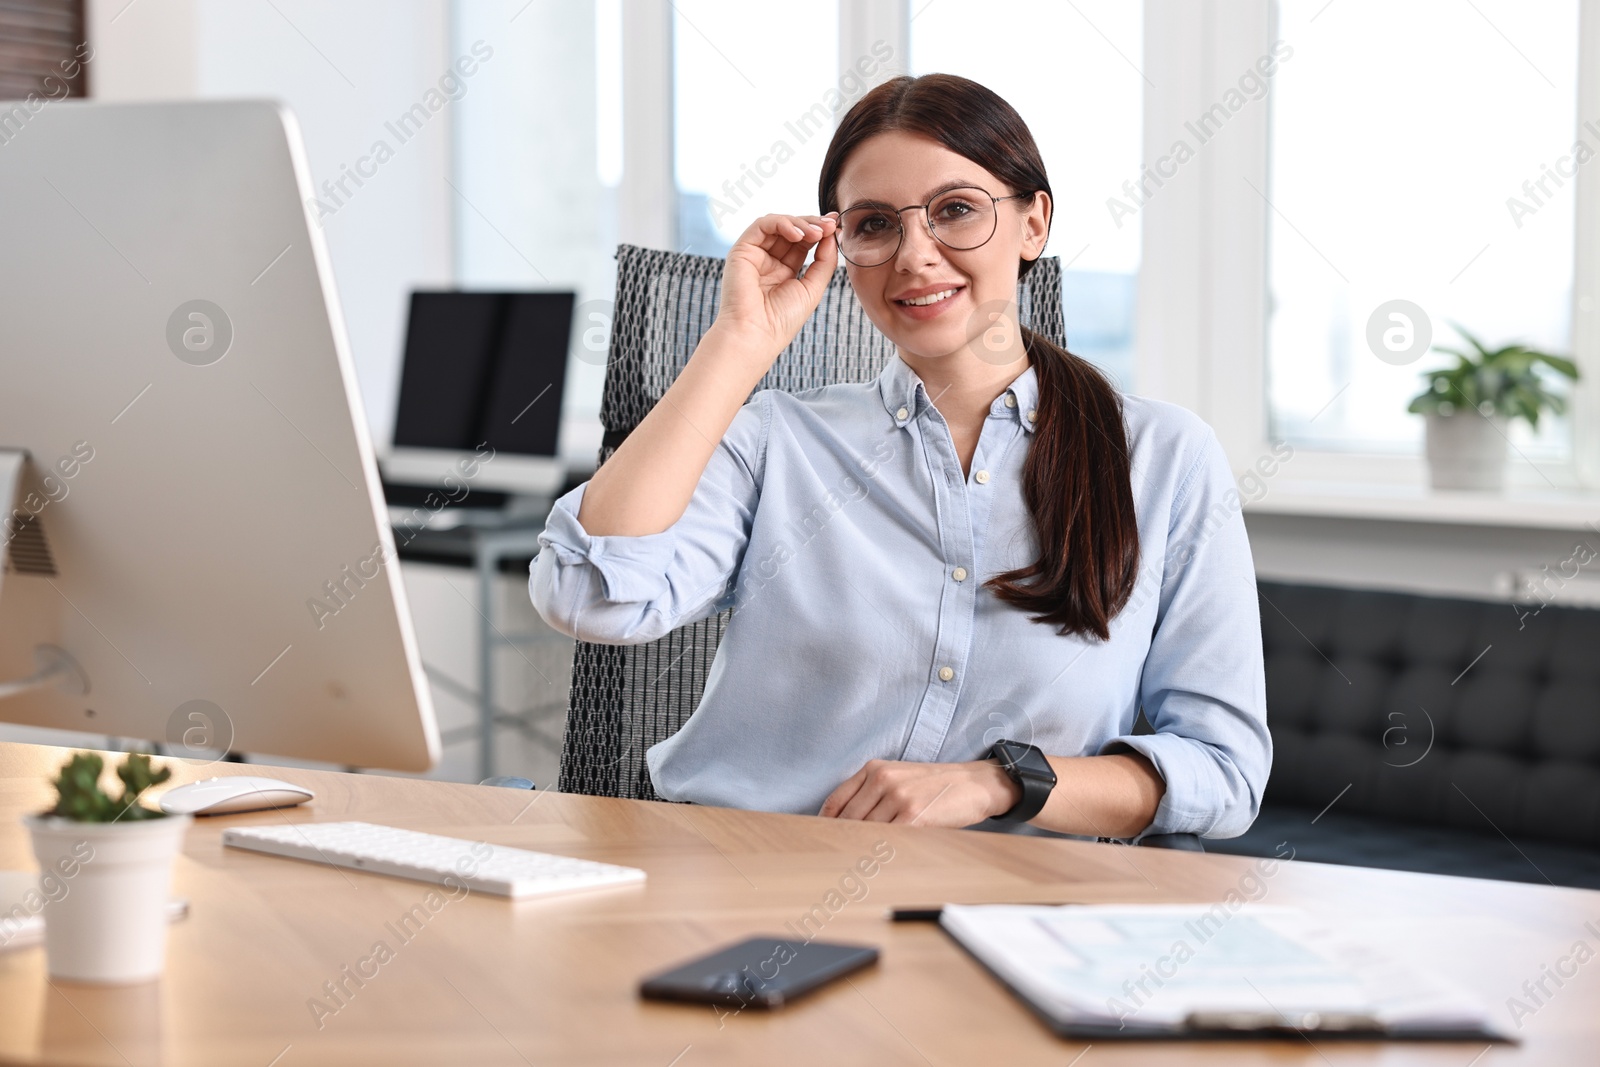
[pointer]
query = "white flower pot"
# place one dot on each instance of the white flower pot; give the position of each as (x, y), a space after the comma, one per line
(110, 925)
(1466, 450)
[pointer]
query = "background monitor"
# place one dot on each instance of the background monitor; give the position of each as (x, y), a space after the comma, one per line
(192, 509)
(483, 372)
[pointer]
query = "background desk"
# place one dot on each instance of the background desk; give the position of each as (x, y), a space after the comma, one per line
(490, 546)
(487, 981)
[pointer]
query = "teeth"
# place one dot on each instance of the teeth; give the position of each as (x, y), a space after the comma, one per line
(924, 301)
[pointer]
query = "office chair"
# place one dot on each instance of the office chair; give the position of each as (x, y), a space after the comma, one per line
(625, 698)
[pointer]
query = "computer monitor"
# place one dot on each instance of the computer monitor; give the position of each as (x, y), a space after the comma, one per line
(483, 374)
(195, 546)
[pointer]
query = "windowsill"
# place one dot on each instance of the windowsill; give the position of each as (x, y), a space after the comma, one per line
(1516, 508)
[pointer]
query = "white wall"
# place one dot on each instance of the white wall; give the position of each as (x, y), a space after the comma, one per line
(345, 69)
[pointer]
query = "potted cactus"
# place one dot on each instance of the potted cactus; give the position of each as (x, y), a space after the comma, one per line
(1470, 406)
(114, 855)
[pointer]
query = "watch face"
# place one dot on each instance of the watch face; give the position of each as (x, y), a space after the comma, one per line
(1026, 759)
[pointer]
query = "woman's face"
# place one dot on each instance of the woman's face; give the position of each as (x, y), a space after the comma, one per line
(899, 168)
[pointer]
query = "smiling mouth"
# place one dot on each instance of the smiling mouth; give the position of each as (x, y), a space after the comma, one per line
(932, 298)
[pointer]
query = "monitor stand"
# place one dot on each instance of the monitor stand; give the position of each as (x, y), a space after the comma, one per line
(53, 665)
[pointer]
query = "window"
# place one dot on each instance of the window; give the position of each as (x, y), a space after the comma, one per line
(758, 91)
(534, 187)
(1072, 72)
(1420, 152)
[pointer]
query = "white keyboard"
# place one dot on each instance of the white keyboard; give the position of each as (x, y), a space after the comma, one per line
(449, 861)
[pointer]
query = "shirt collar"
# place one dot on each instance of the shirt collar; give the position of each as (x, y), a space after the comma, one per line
(901, 390)
(904, 395)
(1025, 390)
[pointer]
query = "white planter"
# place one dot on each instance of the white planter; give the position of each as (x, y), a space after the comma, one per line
(111, 924)
(1466, 451)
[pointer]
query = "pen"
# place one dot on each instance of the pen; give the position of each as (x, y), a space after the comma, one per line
(931, 913)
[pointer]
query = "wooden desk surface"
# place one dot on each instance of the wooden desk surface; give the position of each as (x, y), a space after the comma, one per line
(487, 981)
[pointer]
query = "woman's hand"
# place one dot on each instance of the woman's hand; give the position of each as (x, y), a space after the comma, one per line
(764, 299)
(647, 484)
(924, 794)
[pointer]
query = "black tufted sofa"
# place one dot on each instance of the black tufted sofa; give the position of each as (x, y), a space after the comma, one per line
(1429, 734)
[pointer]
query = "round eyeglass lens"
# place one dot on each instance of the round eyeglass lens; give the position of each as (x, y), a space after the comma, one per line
(962, 219)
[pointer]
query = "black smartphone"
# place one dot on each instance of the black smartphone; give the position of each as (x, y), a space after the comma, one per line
(763, 972)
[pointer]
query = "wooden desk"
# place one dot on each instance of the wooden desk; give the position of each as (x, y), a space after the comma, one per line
(487, 981)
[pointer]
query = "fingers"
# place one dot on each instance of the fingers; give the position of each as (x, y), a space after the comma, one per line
(842, 795)
(820, 273)
(867, 799)
(889, 791)
(790, 238)
(868, 792)
(792, 255)
(887, 809)
(779, 234)
(813, 234)
(809, 228)
(773, 250)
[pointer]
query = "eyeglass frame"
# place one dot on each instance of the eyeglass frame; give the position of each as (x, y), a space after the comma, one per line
(927, 219)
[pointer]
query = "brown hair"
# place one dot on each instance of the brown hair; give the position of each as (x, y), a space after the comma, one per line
(1076, 478)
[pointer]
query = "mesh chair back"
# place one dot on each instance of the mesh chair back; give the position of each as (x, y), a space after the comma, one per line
(626, 698)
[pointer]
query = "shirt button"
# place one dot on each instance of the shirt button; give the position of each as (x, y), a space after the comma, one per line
(945, 674)
(1033, 416)
(902, 413)
(959, 574)
(1011, 401)
(982, 477)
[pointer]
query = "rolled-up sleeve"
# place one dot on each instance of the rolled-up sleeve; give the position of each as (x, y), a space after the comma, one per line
(627, 590)
(1203, 688)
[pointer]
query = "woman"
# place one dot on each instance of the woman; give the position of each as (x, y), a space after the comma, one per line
(953, 588)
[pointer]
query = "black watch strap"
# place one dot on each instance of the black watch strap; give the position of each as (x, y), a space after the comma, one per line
(1026, 765)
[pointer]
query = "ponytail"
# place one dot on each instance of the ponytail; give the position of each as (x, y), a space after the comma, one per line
(1077, 485)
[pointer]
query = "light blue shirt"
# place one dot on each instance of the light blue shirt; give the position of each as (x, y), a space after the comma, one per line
(838, 526)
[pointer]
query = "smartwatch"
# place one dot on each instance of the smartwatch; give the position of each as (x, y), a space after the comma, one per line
(1026, 766)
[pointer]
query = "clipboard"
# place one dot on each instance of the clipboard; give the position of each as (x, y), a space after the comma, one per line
(1026, 946)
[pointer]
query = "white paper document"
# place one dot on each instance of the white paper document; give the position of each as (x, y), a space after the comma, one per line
(1159, 968)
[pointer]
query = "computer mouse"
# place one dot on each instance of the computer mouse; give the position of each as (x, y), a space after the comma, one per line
(232, 794)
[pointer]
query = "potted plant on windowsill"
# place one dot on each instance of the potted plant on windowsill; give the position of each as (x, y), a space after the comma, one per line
(1469, 409)
(114, 858)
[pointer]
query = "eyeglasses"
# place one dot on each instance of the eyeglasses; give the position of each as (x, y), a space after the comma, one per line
(963, 219)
